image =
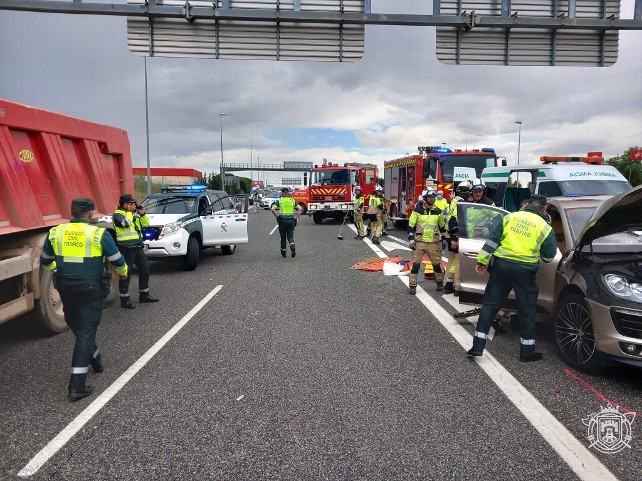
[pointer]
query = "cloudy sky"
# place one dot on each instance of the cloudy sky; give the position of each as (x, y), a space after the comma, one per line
(397, 97)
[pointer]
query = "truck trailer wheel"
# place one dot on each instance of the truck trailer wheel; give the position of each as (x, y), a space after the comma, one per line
(47, 311)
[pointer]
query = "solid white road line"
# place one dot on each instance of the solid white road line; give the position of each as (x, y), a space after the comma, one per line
(574, 453)
(76, 425)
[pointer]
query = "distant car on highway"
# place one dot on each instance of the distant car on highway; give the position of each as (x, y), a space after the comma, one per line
(270, 199)
(591, 293)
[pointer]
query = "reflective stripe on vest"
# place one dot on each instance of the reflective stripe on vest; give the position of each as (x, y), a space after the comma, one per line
(124, 234)
(74, 242)
(427, 225)
(522, 237)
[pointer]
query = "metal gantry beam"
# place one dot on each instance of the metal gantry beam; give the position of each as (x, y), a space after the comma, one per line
(153, 10)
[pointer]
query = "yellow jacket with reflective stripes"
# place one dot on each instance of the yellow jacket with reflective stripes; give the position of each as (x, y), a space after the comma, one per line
(76, 249)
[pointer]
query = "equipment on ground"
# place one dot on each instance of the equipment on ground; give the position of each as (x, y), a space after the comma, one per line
(340, 237)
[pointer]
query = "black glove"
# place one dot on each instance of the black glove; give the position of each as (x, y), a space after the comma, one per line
(381, 207)
(278, 219)
(296, 221)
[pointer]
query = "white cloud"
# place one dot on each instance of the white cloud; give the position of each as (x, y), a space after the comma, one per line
(396, 98)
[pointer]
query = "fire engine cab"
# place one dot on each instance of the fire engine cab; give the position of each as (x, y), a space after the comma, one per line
(434, 167)
(330, 193)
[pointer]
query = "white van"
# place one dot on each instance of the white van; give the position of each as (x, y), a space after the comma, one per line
(509, 186)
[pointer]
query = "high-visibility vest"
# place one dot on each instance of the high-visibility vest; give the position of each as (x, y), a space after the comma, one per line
(373, 205)
(131, 234)
(358, 203)
(78, 250)
(427, 224)
(286, 206)
(523, 233)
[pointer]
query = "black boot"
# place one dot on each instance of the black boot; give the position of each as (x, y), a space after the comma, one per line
(478, 346)
(144, 296)
(283, 253)
(449, 288)
(96, 363)
(293, 252)
(126, 303)
(440, 286)
(77, 387)
(413, 290)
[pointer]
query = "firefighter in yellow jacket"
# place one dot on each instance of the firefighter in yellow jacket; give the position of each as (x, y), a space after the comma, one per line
(425, 228)
(358, 206)
(375, 209)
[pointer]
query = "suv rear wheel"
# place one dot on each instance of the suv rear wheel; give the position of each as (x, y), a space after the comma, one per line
(228, 250)
(574, 336)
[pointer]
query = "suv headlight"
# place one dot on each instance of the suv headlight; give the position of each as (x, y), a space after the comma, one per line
(169, 228)
(619, 285)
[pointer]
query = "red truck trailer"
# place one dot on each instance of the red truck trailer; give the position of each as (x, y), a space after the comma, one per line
(46, 160)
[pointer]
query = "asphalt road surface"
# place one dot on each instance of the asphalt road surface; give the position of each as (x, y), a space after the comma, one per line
(256, 367)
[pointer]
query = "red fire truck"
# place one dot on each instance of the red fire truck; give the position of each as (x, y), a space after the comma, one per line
(302, 198)
(438, 167)
(330, 191)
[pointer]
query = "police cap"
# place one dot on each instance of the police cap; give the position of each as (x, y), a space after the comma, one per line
(537, 199)
(82, 204)
(125, 199)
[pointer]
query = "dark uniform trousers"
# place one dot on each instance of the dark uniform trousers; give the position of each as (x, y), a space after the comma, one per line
(286, 229)
(504, 276)
(82, 301)
(134, 255)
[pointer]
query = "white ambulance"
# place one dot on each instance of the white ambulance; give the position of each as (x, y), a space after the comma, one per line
(510, 185)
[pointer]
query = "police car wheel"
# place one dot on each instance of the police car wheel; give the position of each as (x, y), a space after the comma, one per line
(190, 260)
(574, 335)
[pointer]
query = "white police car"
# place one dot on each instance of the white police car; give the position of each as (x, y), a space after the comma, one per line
(184, 220)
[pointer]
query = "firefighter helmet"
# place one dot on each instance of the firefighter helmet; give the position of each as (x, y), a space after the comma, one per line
(429, 193)
(463, 190)
(378, 189)
(357, 187)
(478, 188)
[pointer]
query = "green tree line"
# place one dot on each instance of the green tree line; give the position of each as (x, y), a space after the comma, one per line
(631, 169)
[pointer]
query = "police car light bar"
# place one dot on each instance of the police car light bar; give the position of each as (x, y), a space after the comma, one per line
(176, 188)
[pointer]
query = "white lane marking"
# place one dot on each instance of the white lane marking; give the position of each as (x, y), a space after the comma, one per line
(274, 229)
(574, 453)
(90, 411)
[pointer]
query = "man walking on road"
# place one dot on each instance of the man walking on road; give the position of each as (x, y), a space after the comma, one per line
(515, 245)
(74, 251)
(287, 218)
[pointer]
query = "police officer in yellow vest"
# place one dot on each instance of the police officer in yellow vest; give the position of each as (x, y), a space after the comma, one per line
(129, 221)
(74, 251)
(425, 227)
(287, 217)
(515, 244)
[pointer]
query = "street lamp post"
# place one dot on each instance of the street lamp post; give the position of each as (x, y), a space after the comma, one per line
(220, 117)
(519, 139)
(251, 163)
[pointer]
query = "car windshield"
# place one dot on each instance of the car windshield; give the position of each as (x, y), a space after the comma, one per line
(172, 204)
(578, 217)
